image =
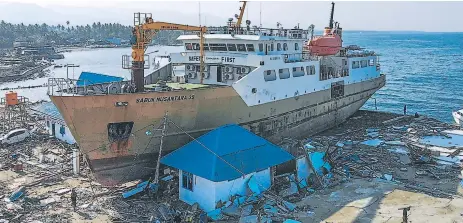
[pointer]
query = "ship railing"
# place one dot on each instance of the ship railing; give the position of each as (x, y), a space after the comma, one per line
(60, 86)
(280, 32)
(299, 57)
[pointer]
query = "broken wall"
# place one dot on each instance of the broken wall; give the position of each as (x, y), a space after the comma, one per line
(207, 193)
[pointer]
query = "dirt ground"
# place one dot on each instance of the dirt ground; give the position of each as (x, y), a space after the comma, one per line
(377, 201)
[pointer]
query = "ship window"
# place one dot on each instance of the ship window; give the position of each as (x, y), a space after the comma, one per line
(296, 46)
(285, 46)
(298, 71)
(261, 47)
(310, 70)
(278, 46)
(250, 47)
(363, 63)
(206, 46)
(371, 62)
(187, 180)
(355, 64)
(283, 73)
(272, 47)
(188, 46)
(270, 75)
(218, 47)
(231, 47)
(241, 47)
(195, 46)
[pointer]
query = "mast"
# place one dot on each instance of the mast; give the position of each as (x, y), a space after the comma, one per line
(163, 133)
(332, 15)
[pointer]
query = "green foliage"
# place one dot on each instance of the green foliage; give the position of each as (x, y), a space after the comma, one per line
(67, 34)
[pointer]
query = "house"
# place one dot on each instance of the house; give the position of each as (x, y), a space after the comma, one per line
(220, 164)
(54, 122)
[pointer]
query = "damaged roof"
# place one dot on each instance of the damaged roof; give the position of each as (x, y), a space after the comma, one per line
(239, 147)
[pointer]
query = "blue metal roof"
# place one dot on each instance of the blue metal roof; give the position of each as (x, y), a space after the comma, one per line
(239, 147)
(88, 78)
(48, 108)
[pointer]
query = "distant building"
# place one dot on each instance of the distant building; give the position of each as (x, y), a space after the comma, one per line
(114, 41)
(54, 122)
(207, 178)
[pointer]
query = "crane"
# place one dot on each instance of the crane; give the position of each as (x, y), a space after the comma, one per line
(240, 17)
(142, 34)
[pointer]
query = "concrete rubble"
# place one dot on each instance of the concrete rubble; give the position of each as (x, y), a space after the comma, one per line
(372, 153)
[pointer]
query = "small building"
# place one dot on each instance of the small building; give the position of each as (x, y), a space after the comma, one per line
(54, 122)
(223, 169)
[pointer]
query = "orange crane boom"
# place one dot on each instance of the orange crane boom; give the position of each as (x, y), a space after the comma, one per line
(143, 33)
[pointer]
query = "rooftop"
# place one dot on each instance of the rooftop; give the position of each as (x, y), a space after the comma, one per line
(242, 149)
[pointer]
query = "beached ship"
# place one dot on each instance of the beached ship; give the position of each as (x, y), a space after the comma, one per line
(275, 82)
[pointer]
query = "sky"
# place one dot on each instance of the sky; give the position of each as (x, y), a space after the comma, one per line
(437, 16)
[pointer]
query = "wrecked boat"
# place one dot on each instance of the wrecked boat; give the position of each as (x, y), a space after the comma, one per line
(263, 79)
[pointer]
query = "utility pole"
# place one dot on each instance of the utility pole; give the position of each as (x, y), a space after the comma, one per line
(164, 124)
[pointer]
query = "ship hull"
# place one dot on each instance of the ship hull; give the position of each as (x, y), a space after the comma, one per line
(88, 116)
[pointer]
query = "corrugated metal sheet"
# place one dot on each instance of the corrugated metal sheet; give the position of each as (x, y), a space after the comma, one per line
(49, 109)
(239, 147)
(88, 78)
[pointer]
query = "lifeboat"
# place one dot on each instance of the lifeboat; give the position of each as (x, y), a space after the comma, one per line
(326, 45)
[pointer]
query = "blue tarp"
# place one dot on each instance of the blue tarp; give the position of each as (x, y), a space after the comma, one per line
(239, 148)
(88, 78)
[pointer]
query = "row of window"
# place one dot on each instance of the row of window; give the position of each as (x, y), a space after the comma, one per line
(221, 47)
(329, 73)
(240, 47)
(363, 63)
(270, 75)
(279, 47)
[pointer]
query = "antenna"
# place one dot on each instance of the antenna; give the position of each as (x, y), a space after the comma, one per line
(260, 15)
(199, 7)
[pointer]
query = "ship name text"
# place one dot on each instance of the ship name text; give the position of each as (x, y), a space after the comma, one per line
(166, 99)
(212, 59)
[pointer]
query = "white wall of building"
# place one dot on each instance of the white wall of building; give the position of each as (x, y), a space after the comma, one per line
(66, 137)
(207, 193)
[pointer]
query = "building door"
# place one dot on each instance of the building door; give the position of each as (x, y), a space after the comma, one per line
(219, 74)
(53, 129)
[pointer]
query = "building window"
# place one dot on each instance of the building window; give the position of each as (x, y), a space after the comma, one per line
(285, 46)
(283, 73)
(250, 47)
(48, 124)
(261, 47)
(241, 47)
(62, 130)
(231, 47)
(278, 46)
(296, 46)
(187, 180)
